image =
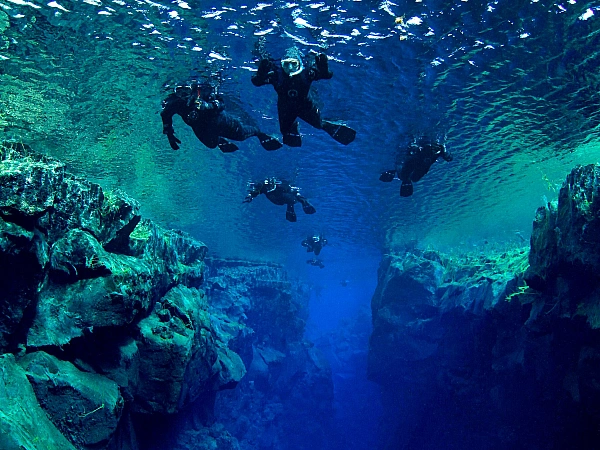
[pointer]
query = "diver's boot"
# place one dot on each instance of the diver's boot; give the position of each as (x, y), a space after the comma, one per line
(227, 147)
(290, 214)
(308, 208)
(268, 142)
(338, 131)
(406, 189)
(387, 176)
(292, 139)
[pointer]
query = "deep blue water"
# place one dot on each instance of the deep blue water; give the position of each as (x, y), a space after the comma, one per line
(510, 86)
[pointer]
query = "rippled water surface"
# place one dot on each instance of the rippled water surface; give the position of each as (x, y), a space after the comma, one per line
(511, 86)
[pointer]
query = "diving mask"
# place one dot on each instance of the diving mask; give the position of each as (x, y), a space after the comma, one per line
(291, 66)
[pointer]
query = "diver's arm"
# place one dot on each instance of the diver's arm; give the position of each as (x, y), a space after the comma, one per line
(252, 194)
(266, 69)
(169, 109)
(320, 70)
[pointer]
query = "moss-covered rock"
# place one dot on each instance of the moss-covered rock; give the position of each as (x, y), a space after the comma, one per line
(23, 423)
(181, 355)
(85, 406)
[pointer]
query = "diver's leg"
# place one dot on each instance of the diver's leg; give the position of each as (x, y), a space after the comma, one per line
(232, 128)
(208, 138)
(288, 125)
(311, 114)
(290, 214)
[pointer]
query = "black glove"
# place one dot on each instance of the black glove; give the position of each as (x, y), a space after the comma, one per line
(263, 68)
(323, 65)
(173, 141)
(248, 199)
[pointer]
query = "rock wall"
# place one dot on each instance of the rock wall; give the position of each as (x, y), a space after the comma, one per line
(498, 350)
(103, 327)
(286, 399)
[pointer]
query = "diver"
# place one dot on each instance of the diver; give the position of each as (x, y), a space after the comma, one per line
(280, 192)
(292, 80)
(201, 107)
(418, 159)
(316, 262)
(314, 243)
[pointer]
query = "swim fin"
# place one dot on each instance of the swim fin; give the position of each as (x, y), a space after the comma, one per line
(293, 140)
(340, 132)
(227, 147)
(269, 142)
(308, 208)
(387, 176)
(406, 190)
(290, 215)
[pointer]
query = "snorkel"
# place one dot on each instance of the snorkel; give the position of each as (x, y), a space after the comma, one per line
(292, 62)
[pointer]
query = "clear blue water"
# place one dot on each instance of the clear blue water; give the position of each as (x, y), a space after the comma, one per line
(511, 86)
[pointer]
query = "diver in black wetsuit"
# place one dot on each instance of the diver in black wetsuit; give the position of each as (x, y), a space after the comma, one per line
(314, 243)
(418, 159)
(280, 192)
(292, 81)
(316, 262)
(201, 108)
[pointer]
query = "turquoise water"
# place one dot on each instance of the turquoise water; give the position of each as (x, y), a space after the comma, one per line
(511, 86)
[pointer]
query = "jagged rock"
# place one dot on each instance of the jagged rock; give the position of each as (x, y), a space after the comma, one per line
(104, 290)
(84, 406)
(565, 246)
(180, 354)
(20, 275)
(288, 391)
(89, 281)
(38, 192)
(23, 423)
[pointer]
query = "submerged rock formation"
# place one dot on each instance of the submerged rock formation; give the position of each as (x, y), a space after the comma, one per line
(103, 326)
(286, 399)
(482, 351)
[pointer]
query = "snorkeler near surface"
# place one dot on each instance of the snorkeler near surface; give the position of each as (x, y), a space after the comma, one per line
(415, 163)
(292, 80)
(280, 192)
(314, 243)
(201, 107)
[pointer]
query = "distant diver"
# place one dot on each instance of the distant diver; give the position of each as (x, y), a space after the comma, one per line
(280, 192)
(316, 262)
(314, 243)
(201, 107)
(292, 80)
(416, 162)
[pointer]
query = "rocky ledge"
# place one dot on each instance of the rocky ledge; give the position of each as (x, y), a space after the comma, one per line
(102, 322)
(496, 350)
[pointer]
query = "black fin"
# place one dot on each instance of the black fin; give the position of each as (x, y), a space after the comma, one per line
(406, 190)
(387, 176)
(340, 132)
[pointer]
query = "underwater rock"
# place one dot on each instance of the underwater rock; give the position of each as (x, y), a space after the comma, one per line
(113, 298)
(23, 423)
(565, 246)
(22, 272)
(38, 193)
(180, 354)
(287, 394)
(493, 350)
(84, 406)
